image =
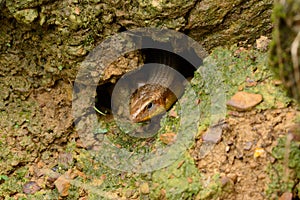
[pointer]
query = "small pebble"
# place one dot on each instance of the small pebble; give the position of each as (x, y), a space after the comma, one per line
(62, 184)
(262, 43)
(190, 180)
(129, 193)
(250, 82)
(262, 176)
(259, 152)
(223, 159)
(144, 188)
(168, 138)
(233, 177)
(248, 146)
(213, 134)
(243, 101)
(31, 187)
(252, 165)
(173, 113)
(225, 180)
(286, 196)
(230, 142)
(239, 155)
(227, 149)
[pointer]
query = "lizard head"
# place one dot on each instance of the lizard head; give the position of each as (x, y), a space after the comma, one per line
(149, 101)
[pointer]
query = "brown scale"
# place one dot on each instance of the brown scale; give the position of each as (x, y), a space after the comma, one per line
(162, 88)
(150, 100)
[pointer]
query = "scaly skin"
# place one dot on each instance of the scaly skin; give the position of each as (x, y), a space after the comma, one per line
(162, 88)
(150, 100)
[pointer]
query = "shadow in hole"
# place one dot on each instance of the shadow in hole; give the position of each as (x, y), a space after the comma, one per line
(104, 92)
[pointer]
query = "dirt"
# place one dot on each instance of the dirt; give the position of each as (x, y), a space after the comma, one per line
(244, 153)
(46, 143)
(44, 42)
(48, 148)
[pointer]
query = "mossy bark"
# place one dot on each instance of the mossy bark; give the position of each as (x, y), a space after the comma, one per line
(49, 38)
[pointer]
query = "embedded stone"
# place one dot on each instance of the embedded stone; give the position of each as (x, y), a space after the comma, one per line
(243, 101)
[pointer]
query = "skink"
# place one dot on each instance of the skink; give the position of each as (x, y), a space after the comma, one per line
(162, 89)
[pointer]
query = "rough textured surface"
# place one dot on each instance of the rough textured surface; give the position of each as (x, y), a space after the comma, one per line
(39, 131)
(44, 41)
(219, 22)
(243, 101)
(236, 156)
(42, 44)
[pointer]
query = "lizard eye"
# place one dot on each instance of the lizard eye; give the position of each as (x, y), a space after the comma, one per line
(150, 106)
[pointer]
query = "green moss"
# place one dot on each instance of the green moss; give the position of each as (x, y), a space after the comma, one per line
(236, 66)
(26, 16)
(285, 172)
(181, 180)
(213, 190)
(95, 169)
(14, 183)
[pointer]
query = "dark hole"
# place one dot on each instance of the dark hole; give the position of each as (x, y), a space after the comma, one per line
(122, 28)
(103, 98)
(154, 55)
(51, 27)
(173, 60)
